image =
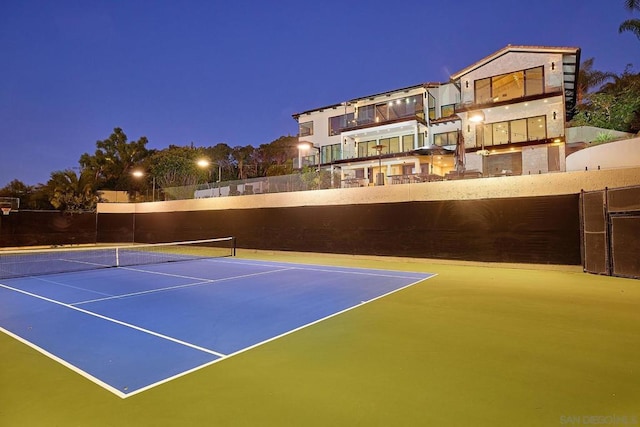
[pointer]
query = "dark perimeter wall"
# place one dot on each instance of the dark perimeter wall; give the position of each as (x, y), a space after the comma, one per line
(525, 230)
(36, 228)
(543, 230)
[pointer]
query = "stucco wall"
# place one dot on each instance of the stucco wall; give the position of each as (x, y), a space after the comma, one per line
(485, 188)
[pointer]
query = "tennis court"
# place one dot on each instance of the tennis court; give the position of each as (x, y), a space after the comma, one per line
(164, 313)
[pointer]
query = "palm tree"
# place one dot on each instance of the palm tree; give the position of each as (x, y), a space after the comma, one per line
(632, 25)
(588, 78)
(69, 191)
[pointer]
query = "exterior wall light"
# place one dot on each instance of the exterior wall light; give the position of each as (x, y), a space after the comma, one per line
(476, 117)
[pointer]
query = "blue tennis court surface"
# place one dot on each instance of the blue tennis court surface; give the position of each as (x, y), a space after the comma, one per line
(131, 328)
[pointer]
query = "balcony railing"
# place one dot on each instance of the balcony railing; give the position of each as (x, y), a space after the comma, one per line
(364, 123)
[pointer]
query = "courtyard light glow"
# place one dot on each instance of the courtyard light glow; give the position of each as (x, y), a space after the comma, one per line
(476, 117)
(203, 163)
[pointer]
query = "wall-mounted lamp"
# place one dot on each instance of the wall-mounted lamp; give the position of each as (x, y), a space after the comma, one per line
(476, 117)
(466, 84)
(555, 115)
(553, 66)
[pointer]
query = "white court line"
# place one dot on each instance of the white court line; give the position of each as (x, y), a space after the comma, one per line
(39, 278)
(170, 288)
(118, 322)
(328, 270)
(150, 386)
(66, 364)
(220, 355)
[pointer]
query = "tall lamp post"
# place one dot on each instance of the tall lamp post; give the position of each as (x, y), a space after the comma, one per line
(478, 118)
(206, 163)
(304, 146)
(380, 176)
(140, 174)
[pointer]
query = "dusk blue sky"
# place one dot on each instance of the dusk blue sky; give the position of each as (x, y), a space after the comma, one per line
(235, 71)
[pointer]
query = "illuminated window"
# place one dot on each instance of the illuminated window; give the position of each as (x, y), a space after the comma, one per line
(393, 109)
(447, 110)
(500, 133)
(447, 138)
(514, 131)
(391, 145)
(518, 130)
(509, 86)
(407, 143)
(537, 127)
(432, 107)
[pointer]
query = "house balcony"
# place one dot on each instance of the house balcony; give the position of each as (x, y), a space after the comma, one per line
(366, 123)
(473, 106)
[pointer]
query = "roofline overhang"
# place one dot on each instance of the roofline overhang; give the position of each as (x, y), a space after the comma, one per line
(426, 85)
(511, 49)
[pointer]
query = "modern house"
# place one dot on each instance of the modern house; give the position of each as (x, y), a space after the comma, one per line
(510, 108)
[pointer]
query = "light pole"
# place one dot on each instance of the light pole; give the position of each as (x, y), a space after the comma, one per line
(140, 174)
(478, 118)
(304, 146)
(380, 176)
(206, 163)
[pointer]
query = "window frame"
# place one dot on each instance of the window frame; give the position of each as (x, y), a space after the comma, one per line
(484, 89)
(302, 125)
(485, 133)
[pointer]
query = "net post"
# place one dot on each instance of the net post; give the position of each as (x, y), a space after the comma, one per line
(117, 257)
(233, 242)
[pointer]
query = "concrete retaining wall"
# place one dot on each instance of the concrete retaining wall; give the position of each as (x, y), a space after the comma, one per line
(549, 184)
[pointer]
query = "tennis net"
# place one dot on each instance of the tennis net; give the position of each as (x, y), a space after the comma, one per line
(62, 260)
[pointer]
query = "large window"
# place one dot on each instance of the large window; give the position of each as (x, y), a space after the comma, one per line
(331, 153)
(391, 145)
(534, 81)
(407, 143)
(519, 130)
(391, 110)
(366, 114)
(447, 110)
(537, 127)
(509, 86)
(447, 138)
(366, 149)
(501, 133)
(305, 129)
(337, 123)
(432, 107)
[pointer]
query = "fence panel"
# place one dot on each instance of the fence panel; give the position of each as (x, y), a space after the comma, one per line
(594, 232)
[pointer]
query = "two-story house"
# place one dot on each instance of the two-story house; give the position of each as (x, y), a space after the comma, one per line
(522, 96)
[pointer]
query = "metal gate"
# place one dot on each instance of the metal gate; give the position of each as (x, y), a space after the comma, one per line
(610, 220)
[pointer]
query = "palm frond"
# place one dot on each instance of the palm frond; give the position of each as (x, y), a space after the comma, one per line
(632, 4)
(631, 25)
